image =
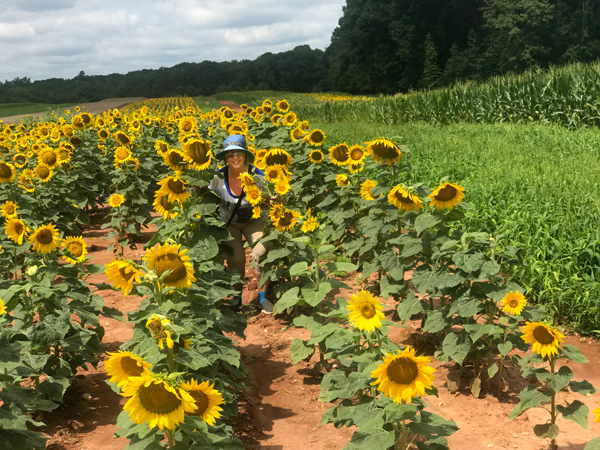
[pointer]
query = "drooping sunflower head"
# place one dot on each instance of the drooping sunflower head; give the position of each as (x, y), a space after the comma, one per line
(316, 137)
(26, 180)
(207, 400)
(403, 376)
(342, 180)
(9, 209)
(174, 159)
(198, 153)
(20, 160)
(157, 401)
(355, 168)
(447, 196)
(122, 274)
(545, 339)
(366, 188)
(404, 200)
(276, 119)
(296, 134)
(116, 200)
(310, 224)
(16, 230)
(122, 365)
(161, 147)
(77, 247)
(170, 257)
(278, 156)
(76, 141)
(384, 151)
(513, 303)
(161, 329)
(287, 219)
(339, 154)
(7, 172)
(43, 172)
(164, 207)
(364, 311)
(123, 138)
(174, 188)
(45, 238)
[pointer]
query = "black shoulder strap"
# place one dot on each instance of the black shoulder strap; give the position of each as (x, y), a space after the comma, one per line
(237, 205)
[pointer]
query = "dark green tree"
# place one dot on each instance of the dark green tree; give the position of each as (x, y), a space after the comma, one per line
(431, 69)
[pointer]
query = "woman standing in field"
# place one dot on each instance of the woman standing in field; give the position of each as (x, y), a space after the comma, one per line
(235, 210)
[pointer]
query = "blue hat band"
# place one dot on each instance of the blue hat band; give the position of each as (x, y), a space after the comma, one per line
(236, 143)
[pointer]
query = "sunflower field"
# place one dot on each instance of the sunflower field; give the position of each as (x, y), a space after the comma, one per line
(331, 209)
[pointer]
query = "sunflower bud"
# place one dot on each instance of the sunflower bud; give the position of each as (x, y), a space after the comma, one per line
(31, 271)
(151, 276)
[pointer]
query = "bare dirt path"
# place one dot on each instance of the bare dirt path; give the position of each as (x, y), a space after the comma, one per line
(280, 411)
(92, 108)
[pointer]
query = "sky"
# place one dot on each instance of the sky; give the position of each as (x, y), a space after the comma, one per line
(43, 39)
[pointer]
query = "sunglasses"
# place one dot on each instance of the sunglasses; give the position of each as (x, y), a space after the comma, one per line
(233, 153)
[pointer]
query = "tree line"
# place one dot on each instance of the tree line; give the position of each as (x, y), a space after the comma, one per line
(378, 47)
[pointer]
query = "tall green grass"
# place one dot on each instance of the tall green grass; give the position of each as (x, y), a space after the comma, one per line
(13, 109)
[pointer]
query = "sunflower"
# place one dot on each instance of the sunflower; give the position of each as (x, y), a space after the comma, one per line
(246, 179)
(282, 186)
(315, 137)
(16, 230)
(7, 172)
(275, 173)
(253, 195)
(342, 180)
(207, 400)
(597, 413)
(276, 119)
(174, 188)
(9, 209)
(310, 224)
(275, 212)
(77, 122)
(45, 238)
(160, 328)
(278, 156)
(123, 138)
(116, 200)
(163, 206)
(170, 257)
(339, 154)
(364, 311)
(26, 180)
(296, 134)
(403, 376)
(122, 274)
(513, 303)
(76, 245)
(366, 188)
(316, 156)
(187, 125)
(355, 168)
(384, 151)
(174, 159)
(402, 199)
(267, 102)
(446, 196)
(122, 154)
(157, 401)
(198, 153)
(20, 160)
(287, 219)
(122, 365)
(161, 147)
(283, 105)
(130, 164)
(2, 307)
(256, 212)
(546, 339)
(76, 141)
(290, 119)
(357, 154)
(43, 172)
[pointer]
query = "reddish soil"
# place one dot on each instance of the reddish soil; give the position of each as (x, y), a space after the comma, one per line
(280, 408)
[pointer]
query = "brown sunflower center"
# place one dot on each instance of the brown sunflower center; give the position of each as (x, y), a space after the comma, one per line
(286, 219)
(317, 156)
(340, 153)
(175, 158)
(123, 138)
(19, 228)
(385, 152)
(76, 248)
(542, 335)
(125, 274)
(446, 193)
(403, 198)
(20, 159)
(187, 127)
(166, 204)
(356, 154)
(5, 171)
(173, 262)
(228, 114)
(201, 400)
(103, 134)
(199, 152)
(367, 310)
(10, 209)
(44, 237)
(176, 186)
(403, 371)
(316, 136)
(276, 158)
(513, 303)
(43, 172)
(156, 399)
(76, 141)
(131, 367)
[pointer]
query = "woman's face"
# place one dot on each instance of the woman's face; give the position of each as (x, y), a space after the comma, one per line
(236, 159)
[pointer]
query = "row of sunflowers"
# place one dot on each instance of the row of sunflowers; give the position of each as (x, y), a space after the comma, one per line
(329, 210)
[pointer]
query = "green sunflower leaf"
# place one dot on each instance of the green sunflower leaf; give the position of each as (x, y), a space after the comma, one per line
(530, 398)
(546, 430)
(576, 411)
(375, 439)
(457, 347)
(594, 444)
(573, 353)
(300, 350)
(582, 387)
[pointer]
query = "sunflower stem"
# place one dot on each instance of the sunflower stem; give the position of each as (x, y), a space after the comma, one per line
(553, 413)
(171, 438)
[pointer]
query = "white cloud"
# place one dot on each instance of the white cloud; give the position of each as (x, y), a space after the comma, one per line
(59, 38)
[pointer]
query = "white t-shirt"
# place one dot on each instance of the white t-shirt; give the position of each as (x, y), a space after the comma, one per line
(220, 186)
